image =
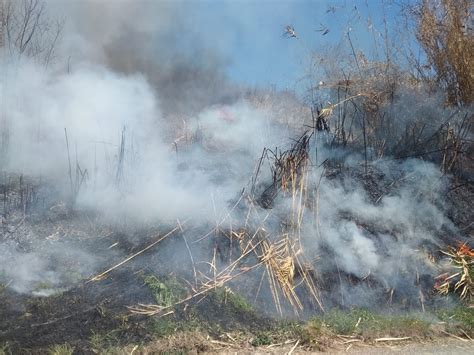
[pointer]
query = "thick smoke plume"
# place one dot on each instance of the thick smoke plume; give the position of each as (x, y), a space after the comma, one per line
(157, 134)
(157, 39)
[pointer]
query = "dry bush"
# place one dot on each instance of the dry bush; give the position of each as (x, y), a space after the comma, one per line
(383, 110)
(460, 278)
(388, 115)
(446, 35)
(25, 30)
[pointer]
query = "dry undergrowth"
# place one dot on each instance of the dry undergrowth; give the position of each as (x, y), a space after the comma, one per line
(461, 280)
(444, 33)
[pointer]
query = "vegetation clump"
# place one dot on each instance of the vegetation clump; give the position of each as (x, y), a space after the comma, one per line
(261, 339)
(225, 296)
(461, 280)
(445, 36)
(166, 291)
(368, 325)
(61, 349)
(459, 319)
(5, 349)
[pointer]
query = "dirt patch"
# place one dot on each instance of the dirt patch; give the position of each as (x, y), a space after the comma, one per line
(74, 316)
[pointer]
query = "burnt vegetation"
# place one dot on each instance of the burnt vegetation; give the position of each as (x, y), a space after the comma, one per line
(356, 226)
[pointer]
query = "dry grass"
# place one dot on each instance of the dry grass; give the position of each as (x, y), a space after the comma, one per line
(371, 116)
(61, 349)
(281, 254)
(444, 34)
(462, 261)
(375, 110)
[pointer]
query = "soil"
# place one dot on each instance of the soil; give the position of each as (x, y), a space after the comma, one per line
(72, 317)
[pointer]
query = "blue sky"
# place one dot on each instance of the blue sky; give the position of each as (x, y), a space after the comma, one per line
(246, 35)
(249, 33)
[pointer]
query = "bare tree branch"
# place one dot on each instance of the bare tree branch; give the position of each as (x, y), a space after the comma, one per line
(27, 31)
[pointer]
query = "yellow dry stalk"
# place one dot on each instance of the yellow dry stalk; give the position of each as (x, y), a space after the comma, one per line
(241, 238)
(465, 283)
(463, 260)
(285, 270)
(281, 271)
(146, 309)
(327, 111)
(290, 174)
(301, 191)
(443, 289)
(293, 182)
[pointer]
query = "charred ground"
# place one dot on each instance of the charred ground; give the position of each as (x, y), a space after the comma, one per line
(92, 316)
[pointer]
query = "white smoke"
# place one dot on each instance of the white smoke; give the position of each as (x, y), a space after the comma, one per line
(194, 167)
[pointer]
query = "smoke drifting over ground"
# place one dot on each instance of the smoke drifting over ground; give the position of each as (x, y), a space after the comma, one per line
(164, 136)
(387, 238)
(159, 40)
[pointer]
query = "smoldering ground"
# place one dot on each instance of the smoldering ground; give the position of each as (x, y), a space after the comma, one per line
(156, 140)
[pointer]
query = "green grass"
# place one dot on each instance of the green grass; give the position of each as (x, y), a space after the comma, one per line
(164, 326)
(369, 325)
(97, 341)
(166, 291)
(395, 326)
(458, 318)
(61, 349)
(261, 339)
(318, 333)
(226, 296)
(101, 342)
(5, 349)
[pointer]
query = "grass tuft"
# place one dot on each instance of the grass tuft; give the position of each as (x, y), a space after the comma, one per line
(61, 349)
(5, 349)
(261, 339)
(166, 291)
(458, 319)
(229, 298)
(369, 325)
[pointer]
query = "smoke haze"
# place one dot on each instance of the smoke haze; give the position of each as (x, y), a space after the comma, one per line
(165, 135)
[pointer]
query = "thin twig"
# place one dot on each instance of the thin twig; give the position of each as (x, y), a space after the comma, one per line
(101, 275)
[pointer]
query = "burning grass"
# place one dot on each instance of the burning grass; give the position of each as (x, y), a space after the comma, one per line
(278, 254)
(275, 227)
(462, 280)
